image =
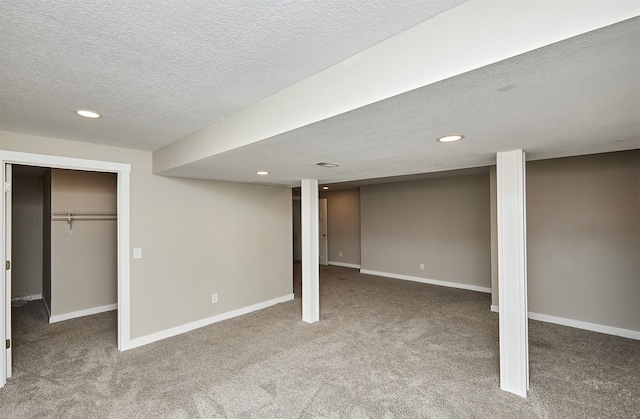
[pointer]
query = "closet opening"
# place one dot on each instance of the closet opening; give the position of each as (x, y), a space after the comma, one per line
(64, 251)
(67, 224)
(64, 241)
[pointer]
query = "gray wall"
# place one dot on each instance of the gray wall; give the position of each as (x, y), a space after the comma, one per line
(343, 226)
(84, 260)
(343, 231)
(443, 223)
(27, 220)
(583, 229)
(197, 237)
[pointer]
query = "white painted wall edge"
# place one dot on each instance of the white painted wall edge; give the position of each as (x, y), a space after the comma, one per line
(28, 297)
(174, 331)
(429, 281)
(592, 327)
(82, 313)
(345, 265)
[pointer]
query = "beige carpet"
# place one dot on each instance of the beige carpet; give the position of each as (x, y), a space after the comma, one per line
(384, 348)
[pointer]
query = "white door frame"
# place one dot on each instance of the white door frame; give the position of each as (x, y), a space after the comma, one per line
(123, 171)
(6, 298)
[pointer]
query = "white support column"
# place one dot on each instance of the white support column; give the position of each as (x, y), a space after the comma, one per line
(310, 268)
(512, 272)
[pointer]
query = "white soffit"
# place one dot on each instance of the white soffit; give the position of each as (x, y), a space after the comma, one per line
(577, 96)
(475, 34)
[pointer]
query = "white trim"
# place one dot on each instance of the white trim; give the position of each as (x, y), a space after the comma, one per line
(28, 297)
(58, 162)
(82, 313)
(124, 271)
(124, 261)
(5, 286)
(345, 265)
(174, 331)
(428, 281)
(593, 327)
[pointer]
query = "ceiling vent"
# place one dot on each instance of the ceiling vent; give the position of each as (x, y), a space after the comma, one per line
(327, 165)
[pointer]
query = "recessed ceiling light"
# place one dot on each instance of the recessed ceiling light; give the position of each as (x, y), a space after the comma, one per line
(450, 138)
(327, 165)
(87, 113)
(325, 188)
(262, 173)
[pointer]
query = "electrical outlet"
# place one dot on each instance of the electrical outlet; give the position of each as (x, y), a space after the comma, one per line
(214, 298)
(422, 266)
(340, 253)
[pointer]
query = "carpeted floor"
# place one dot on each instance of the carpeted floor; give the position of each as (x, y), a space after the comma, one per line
(383, 348)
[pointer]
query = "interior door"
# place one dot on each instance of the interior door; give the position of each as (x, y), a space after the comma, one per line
(323, 252)
(7, 274)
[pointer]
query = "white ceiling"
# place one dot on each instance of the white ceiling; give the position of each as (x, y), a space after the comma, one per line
(159, 71)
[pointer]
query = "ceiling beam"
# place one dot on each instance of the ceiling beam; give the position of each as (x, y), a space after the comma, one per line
(475, 34)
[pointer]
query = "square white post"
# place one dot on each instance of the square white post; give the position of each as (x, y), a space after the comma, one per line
(512, 272)
(310, 245)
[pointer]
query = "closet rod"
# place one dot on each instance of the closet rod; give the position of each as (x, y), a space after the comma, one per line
(83, 217)
(70, 217)
(81, 213)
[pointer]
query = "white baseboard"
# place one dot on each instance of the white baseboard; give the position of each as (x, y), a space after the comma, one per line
(82, 313)
(428, 281)
(28, 297)
(344, 265)
(154, 337)
(593, 327)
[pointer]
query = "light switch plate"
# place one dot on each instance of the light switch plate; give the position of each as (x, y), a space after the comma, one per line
(137, 252)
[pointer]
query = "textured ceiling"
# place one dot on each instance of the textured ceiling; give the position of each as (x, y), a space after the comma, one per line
(159, 70)
(578, 96)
